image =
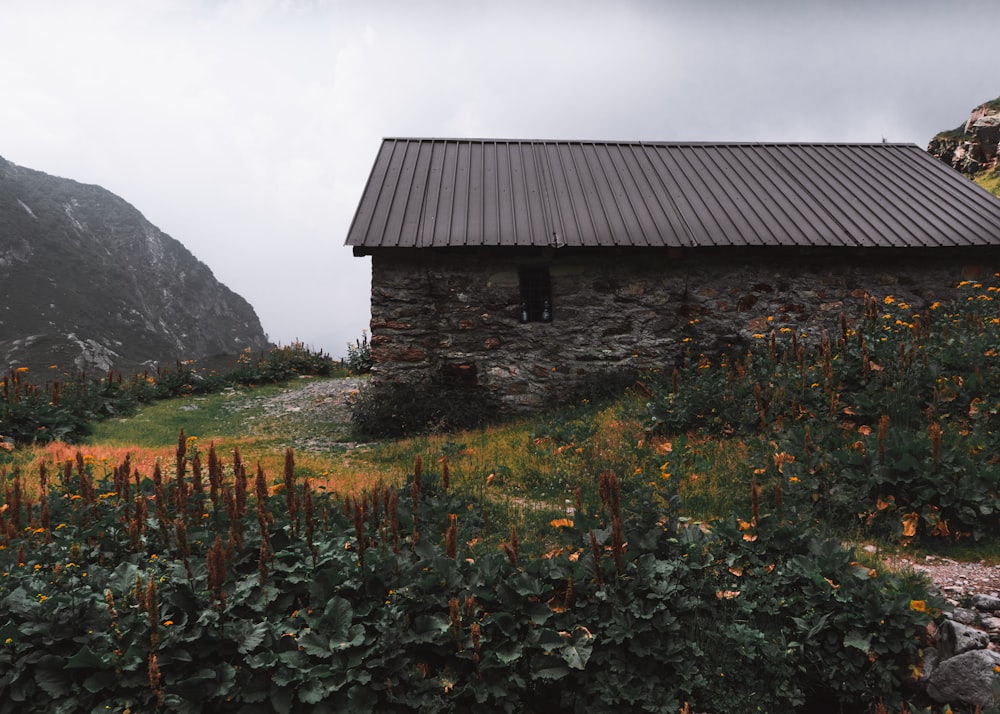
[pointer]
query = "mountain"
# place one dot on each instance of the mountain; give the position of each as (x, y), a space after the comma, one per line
(88, 284)
(972, 147)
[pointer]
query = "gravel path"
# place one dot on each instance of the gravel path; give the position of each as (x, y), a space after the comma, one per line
(315, 412)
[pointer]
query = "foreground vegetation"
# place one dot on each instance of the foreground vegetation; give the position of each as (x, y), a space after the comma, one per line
(214, 591)
(678, 549)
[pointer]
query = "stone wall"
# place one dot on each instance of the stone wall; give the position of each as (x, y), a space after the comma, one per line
(452, 316)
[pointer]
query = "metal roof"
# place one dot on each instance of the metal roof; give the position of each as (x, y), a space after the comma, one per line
(425, 193)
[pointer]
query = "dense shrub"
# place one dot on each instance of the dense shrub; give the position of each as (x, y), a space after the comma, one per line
(392, 410)
(212, 593)
(892, 425)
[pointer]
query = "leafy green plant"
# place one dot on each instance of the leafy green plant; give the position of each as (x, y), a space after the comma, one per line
(359, 355)
(890, 427)
(203, 589)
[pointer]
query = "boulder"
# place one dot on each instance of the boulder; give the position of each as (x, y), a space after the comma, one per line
(954, 638)
(966, 678)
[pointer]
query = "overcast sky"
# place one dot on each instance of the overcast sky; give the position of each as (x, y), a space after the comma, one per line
(246, 129)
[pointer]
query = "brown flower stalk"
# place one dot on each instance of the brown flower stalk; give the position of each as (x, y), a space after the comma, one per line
(595, 552)
(153, 611)
(934, 433)
(883, 431)
(513, 549)
(290, 495)
(308, 507)
(359, 531)
(196, 477)
(456, 622)
(451, 537)
(216, 561)
(214, 474)
(393, 507)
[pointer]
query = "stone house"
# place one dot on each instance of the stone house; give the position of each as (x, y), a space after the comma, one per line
(520, 267)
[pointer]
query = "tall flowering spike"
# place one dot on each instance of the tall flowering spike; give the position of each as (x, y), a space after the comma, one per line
(451, 536)
(216, 561)
(456, 622)
(196, 477)
(309, 512)
(934, 433)
(237, 459)
(214, 474)
(394, 518)
(240, 487)
(154, 679)
(181, 456)
(617, 543)
(359, 531)
(883, 431)
(445, 475)
(153, 610)
(262, 557)
(513, 549)
(260, 485)
(290, 495)
(595, 552)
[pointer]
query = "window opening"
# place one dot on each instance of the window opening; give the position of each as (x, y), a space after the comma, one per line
(536, 295)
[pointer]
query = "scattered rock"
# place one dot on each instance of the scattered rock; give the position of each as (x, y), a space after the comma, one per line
(954, 638)
(986, 603)
(966, 678)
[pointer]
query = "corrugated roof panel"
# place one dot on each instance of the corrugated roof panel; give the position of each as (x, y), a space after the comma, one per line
(660, 223)
(955, 196)
(764, 198)
(447, 192)
(664, 192)
(620, 214)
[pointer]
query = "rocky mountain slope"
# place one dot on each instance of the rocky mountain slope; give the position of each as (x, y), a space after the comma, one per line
(87, 283)
(972, 147)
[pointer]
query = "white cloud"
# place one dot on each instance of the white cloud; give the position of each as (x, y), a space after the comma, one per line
(246, 129)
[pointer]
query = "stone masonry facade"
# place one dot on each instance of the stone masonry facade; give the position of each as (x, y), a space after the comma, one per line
(451, 316)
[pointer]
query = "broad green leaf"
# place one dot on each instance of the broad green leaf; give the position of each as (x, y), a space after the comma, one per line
(86, 658)
(52, 678)
(858, 640)
(337, 616)
(249, 635)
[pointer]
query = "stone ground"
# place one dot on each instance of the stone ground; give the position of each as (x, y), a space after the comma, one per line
(316, 411)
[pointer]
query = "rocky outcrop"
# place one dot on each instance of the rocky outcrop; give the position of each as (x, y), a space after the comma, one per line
(972, 147)
(962, 666)
(87, 283)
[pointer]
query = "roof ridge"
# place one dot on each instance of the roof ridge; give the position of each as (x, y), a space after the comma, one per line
(652, 142)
